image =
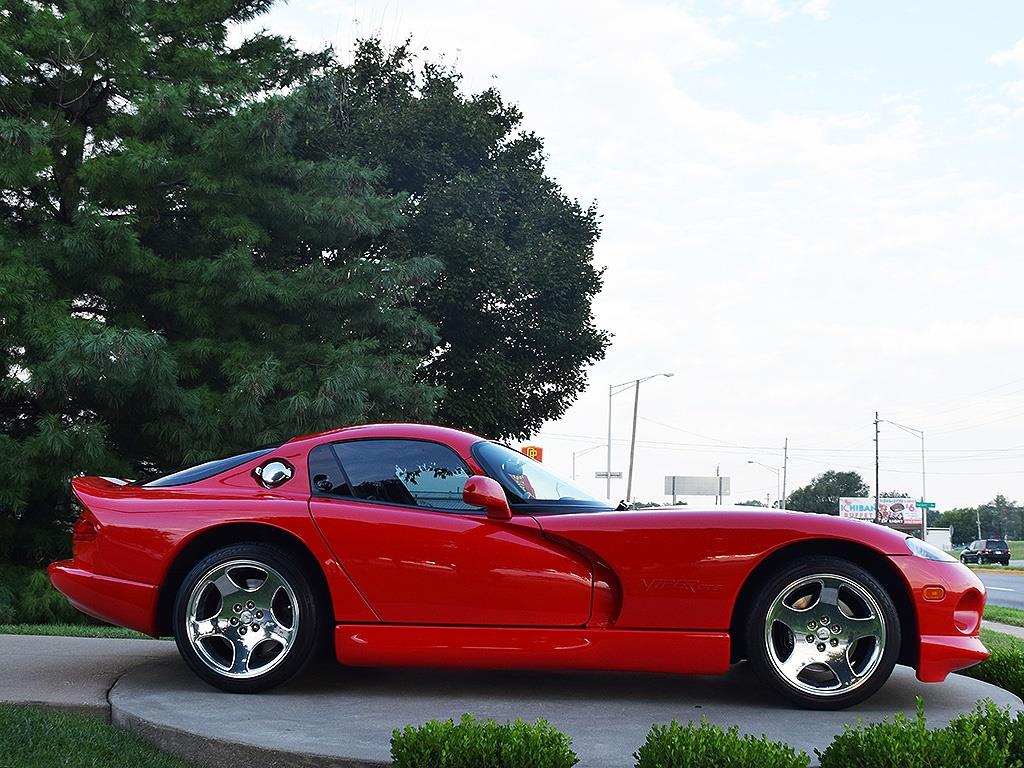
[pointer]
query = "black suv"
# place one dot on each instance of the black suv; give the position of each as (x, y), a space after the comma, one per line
(986, 551)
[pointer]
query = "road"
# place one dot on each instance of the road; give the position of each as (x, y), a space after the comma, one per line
(1004, 589)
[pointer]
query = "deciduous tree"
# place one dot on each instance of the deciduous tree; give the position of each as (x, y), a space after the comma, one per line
(822, 494)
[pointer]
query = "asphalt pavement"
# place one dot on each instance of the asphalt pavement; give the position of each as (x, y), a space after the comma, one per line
(1005, 589)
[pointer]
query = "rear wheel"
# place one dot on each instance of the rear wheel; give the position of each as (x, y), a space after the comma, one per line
(824, 633)
(246, 618)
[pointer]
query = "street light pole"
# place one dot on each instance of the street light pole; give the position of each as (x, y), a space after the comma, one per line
(613, 390)
(918, 433)
(581, 453)
(778, 476)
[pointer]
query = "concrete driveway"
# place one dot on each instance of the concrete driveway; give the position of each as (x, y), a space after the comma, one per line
(344, 717)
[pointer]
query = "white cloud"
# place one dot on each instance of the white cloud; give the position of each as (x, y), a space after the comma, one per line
(777, 10)
(816, 8)
(1012, 55)
(797, 268)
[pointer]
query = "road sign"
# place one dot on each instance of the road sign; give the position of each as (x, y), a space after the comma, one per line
(606, 475)
(926, 504)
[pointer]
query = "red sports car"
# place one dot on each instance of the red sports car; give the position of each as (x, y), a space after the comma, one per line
(406, 544)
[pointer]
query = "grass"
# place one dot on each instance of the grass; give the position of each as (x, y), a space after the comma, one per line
(72, 630)
(1003, 615)
(35, 738)
(994, 567)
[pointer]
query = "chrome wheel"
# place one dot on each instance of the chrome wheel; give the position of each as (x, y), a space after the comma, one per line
(824, 634)
(242, 618)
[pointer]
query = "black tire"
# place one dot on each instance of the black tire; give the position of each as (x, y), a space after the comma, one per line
(209, 656)
(764, 641)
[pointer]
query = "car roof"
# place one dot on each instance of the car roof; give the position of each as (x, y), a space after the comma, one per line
(457, 439)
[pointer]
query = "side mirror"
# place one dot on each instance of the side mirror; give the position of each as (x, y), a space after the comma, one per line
(485, 492)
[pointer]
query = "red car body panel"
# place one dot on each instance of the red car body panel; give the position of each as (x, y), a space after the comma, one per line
(651, 590)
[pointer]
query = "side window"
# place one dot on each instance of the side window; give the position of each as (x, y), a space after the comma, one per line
(410, 472)
(325, 475)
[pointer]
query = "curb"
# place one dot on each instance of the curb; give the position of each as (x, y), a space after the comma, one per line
(216, 753)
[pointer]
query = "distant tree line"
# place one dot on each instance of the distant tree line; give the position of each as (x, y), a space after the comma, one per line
(999, 518)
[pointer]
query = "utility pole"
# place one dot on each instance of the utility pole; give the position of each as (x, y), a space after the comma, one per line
(785, 466)
(632, 442)
(877, 492)
(718, 474)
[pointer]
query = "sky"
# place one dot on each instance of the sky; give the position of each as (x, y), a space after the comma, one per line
(812, 210)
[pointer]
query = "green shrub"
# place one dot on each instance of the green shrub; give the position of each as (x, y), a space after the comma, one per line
(473, 743)
(1003, 726)
(1005, 668)
(708, 746)
(27, 597)
(906, 742)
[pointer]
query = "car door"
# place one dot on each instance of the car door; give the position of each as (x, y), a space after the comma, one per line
(393, 514)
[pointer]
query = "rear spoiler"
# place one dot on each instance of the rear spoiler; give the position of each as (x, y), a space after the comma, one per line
(103, 493)
(91, 484)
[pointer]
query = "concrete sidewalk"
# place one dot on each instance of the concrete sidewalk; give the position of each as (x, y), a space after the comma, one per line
(71, 673)
(1006, 629)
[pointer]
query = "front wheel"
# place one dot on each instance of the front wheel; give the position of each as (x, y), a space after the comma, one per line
(246, 618)
(824, 633)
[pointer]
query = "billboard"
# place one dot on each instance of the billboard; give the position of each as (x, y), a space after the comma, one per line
(893, 511)
(688, 485)
(534, 452)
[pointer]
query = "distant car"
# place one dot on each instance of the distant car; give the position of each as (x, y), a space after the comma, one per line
(415, 545)
(985, 551)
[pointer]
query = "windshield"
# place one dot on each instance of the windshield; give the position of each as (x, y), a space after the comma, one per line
(526, 478)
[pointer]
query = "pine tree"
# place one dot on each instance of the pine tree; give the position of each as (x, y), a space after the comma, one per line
(185, 271)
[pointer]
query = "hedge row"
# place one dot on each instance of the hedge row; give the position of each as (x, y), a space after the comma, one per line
(985, 737)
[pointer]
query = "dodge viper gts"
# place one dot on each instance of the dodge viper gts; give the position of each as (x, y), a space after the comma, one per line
(415, 545)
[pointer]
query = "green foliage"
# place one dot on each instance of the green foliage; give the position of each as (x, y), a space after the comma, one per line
(33, 738)
(1005, 667)
(1004, 615)
(27, 597)
(512, 304)
(473, 743)
(210, 242)
(73, 630)
(905, 742)
(987, 722)
(822, 494)
(184, 284)
(1000, 518)
(708, 746)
